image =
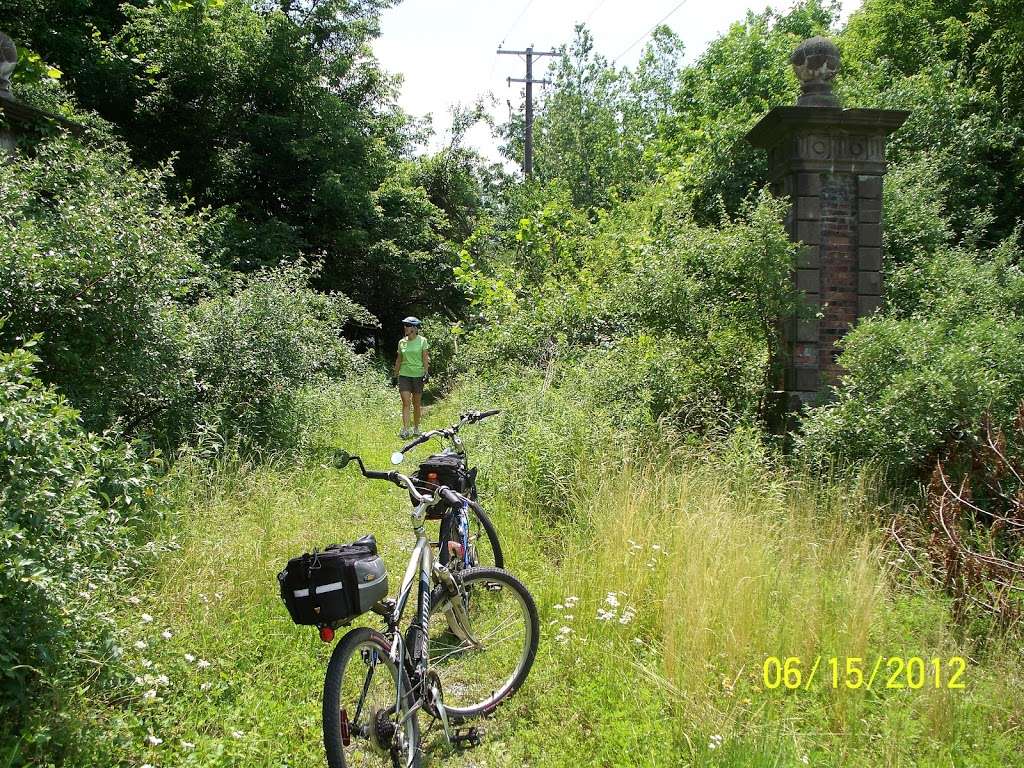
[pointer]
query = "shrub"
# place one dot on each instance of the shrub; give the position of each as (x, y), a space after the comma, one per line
(92, 258)
(69, 501)
(248, 354)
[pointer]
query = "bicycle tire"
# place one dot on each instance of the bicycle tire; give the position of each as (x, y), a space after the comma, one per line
(481, 587)
(364, 752)
(489, 555)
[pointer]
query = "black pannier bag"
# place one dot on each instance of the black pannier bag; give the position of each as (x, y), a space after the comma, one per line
(442, 469)
(336, 585)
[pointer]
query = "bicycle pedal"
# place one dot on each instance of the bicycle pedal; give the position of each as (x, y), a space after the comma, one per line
(467, 737)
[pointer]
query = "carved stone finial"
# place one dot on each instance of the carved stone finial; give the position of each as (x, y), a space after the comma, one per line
(8, 61)
(815, 62)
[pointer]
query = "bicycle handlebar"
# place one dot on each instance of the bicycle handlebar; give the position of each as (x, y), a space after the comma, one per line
(470, 417)
(403, 481)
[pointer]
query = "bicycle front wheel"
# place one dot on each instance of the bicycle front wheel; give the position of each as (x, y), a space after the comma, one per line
(484, 548)
(483, 652)
(365, 722)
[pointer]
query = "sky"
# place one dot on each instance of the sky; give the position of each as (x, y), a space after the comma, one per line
(446, 49)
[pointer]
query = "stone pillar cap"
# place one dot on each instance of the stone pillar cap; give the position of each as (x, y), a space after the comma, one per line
(815, 62)
(8, 61)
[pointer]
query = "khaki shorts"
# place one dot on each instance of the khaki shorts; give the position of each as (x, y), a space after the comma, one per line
(412, 384)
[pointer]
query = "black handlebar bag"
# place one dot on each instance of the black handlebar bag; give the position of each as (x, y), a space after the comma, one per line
(336, 585)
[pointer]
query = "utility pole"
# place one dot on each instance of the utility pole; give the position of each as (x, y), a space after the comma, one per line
(529, 53)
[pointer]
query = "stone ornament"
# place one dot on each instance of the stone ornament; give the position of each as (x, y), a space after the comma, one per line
(816, 62)
(8, 61)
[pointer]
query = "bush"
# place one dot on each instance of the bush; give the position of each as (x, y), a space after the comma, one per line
(93, 258)
(246, 356)
(69, 501)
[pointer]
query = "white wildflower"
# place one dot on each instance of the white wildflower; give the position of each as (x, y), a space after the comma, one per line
(205, 686)
(568, 617)
(139, 680)
(627, 616)
(219, 595)
(805, 759)
(238, 734)
(189, 658)
(146, 663)
(603, 615)
(202, 663)
(133, 600)
(155, 741)
(716, 742)
(559, 606)
(146, 618)
(612, 600)
(140, 645)
(163, 680)
(638, 641)
(655, 547)
(571, 601)
(149, 695)
(166, 634)
(187, 744)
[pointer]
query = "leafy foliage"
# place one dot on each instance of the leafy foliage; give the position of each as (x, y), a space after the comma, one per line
(69, 501)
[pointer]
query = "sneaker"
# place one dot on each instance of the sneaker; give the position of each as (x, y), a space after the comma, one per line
(404, 434)
(416, 432)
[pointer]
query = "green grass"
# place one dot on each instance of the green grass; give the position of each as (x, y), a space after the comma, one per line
(719, 563)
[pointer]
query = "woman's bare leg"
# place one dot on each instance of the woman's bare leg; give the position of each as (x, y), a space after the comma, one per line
(416, 397)
(406, 399)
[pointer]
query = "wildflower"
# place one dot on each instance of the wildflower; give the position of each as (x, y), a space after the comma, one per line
(805, 759)
(146, 663)
(155, 741)
(219, 595)
(189, 658)
(163, 680)
(147, 765)
(187, 744)
(559, 606)
(603, 615)
(571, 601)
(655, 547)
(205, 686)
(716, 742)
(140, 645)
(627, 616)
(612, 600)
(149, 695)
(202, 663)
(146, 618)
(638, 641)
(133, 600)
(166, 634)
(203, 598)
(568, 617)
(237, 734)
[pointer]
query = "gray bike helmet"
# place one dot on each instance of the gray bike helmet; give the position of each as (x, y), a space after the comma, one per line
(411, 321)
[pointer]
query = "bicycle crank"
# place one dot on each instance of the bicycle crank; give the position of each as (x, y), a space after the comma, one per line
(436, 703)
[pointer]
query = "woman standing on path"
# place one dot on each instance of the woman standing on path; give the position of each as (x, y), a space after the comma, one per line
(412, 367)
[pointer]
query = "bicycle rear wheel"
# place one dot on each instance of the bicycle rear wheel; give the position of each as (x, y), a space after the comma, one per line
(484, 660)
(361, 724)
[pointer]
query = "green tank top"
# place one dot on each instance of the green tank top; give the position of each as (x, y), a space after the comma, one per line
(411, 351)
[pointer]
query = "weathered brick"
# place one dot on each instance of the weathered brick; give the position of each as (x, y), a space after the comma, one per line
(869, 186)
(807, 280)
(807, 257)
(808, 232)
(869, 258)
(870, 235)
(808, 183)
(808, 208)
(869, 283)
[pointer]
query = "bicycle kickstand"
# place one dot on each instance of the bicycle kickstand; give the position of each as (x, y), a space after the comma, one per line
(464, 738)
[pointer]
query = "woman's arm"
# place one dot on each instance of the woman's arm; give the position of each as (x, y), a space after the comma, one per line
(426, 362)
(398, 363)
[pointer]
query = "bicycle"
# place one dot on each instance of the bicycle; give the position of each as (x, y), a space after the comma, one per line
(469, 647)
(451, 467)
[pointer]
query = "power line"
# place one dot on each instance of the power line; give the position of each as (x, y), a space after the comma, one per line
(591, 14)
(530, 54)
(649, 31)
(518, 19)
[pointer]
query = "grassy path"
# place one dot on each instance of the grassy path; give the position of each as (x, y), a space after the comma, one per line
(661, 592)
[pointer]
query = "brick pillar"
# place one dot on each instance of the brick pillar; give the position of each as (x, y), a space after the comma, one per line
(829, 162)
